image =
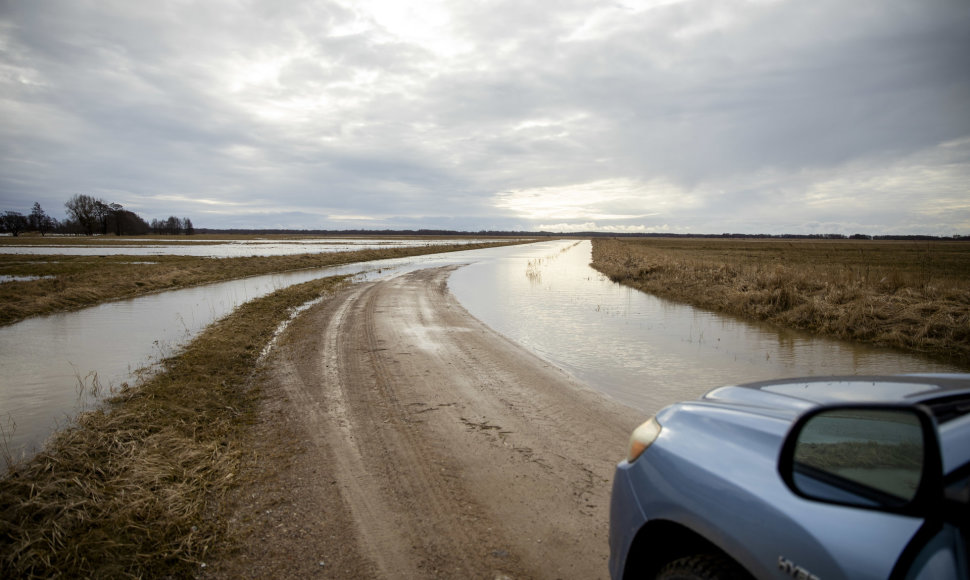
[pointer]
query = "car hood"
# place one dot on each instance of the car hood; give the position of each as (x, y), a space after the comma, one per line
(791, 397)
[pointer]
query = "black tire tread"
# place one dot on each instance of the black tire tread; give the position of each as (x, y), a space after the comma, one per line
(702, 567)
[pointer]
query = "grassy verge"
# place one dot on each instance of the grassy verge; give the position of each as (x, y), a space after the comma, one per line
(73, 282)
(134, 489)
(914, 296)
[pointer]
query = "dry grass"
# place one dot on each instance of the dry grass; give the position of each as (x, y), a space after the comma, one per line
(914, 296)
(73, 282)
(135, 489)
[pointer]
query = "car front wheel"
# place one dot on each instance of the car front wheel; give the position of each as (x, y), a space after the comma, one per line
(702, 567)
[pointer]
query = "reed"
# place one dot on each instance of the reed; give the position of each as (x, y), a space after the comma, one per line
(913, 296)
(135, 488)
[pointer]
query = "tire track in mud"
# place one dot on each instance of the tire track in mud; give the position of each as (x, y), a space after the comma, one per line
(423, 495)
(456, 453)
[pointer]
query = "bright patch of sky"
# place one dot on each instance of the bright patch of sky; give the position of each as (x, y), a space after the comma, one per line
(703, 116)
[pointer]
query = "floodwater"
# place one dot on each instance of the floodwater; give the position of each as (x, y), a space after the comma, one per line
(641, 350)
(229, 249)
(58, 365)
(5, 278)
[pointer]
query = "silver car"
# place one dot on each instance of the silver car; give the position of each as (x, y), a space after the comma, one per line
(828, 478)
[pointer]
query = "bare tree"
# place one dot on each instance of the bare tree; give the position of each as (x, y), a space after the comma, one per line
(102, 212)
(126, 222)
(84, 210)
(13, 222)
(115, 212)
(39, 221)
(173, 225)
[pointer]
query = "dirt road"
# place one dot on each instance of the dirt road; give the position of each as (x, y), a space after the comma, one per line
(402, 438)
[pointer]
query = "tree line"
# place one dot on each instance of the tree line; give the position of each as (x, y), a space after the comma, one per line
(87, 215)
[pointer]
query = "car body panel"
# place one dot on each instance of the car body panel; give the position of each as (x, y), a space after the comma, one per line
(942, 557)
(713, 470)
(955, 443)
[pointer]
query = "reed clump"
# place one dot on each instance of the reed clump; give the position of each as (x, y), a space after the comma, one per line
(72, 282)
(913, 296)
(135, 488)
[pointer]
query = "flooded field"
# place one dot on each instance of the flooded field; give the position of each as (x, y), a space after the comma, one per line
(209, 248)
(57, 365)
(638, 349)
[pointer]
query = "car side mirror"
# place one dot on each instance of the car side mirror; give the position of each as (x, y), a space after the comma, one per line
(882, 457)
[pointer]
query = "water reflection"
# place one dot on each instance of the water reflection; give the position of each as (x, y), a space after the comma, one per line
(229, 249)
(644, 351)
(7, 278)
(48, 360)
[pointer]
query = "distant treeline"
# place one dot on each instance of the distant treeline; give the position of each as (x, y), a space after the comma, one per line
(87, 215)
(528, 234)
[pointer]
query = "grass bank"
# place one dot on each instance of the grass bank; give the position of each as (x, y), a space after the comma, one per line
(72, 282)
(913, 296)
(135, 489)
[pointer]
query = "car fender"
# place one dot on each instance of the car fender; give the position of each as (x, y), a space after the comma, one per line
(715, 475)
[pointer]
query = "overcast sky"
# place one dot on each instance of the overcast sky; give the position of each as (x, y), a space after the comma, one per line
(700, 116)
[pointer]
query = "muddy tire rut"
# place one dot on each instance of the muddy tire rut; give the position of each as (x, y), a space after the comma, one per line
(422, 444)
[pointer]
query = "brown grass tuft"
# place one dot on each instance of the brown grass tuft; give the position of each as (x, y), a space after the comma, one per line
(135, 488)
(913, 296)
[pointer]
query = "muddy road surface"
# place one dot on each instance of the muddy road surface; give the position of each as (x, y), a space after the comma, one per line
(402, 438)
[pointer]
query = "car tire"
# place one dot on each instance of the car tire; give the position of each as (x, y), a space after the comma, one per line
(702, 567)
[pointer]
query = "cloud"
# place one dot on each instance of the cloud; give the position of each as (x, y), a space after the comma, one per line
(692, 115)
(605, 200)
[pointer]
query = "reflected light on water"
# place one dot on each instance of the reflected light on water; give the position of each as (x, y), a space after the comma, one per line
(642, 350)
(229, 249)
(46, 359)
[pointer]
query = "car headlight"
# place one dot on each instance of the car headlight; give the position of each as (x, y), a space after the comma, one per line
(642, 437)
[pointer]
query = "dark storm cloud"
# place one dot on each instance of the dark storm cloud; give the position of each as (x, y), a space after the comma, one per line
(697, 115)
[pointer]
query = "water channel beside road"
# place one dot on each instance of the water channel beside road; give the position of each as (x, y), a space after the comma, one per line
(202, 247)
(58, 365)
(644, 351)
(641, 350)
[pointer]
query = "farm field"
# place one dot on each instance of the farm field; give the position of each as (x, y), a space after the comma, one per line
(280, 446)
(909, 295)
(48, 283)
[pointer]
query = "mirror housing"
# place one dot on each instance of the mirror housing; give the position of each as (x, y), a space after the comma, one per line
(870, 456)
